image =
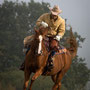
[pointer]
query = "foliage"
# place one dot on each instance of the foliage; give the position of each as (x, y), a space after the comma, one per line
(77, 76)
(17, 20)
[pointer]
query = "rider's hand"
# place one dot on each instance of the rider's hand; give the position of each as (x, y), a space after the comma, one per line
(44, 24)
(57, 37)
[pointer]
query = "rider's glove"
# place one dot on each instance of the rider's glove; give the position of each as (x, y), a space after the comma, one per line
(57, 37)
(44, 24)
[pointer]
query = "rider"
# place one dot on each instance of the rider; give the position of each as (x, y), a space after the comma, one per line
(56, 24)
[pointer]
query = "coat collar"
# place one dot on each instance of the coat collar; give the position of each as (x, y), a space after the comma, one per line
(52, 18)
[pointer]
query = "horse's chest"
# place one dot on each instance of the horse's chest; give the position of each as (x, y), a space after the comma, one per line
(34, 65)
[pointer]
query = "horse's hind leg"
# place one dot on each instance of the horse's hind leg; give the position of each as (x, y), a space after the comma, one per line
(26, 80)
(54, 80)
(57, 84)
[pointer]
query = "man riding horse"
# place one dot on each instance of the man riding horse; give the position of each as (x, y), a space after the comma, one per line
(56, 26)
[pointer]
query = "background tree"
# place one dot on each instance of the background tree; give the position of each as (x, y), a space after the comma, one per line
(17, 20)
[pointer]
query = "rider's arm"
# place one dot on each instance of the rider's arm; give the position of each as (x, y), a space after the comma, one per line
(40, 19)
(61, 28)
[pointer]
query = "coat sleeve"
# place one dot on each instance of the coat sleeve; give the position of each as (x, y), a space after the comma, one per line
(61, 28)
(40, 19)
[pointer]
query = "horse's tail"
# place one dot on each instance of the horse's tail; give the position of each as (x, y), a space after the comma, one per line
(72, 44)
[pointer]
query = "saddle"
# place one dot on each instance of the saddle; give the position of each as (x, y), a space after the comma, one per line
(54, 48)
(53, 45)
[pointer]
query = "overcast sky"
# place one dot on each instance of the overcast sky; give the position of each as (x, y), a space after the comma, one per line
(77, 13)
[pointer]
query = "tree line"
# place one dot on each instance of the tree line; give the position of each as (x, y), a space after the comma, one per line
(17, 21)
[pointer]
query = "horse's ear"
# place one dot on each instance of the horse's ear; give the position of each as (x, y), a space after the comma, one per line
(36, 30)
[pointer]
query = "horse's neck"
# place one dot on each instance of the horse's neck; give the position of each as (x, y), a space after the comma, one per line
(43, 57)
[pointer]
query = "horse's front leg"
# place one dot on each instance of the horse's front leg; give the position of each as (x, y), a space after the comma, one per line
(27, 74)
(35, 76)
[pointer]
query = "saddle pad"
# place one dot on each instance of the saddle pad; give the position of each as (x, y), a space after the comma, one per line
(61, 51)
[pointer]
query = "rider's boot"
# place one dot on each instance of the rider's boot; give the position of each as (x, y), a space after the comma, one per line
(25, 50)
(51, 65)
(50, 60)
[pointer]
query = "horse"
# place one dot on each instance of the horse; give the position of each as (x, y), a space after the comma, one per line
(37, 56)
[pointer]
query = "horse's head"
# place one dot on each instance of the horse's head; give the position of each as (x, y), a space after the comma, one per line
(42, 31)
(39, 37)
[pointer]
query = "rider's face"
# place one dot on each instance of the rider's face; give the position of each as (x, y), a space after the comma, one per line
(54, 16)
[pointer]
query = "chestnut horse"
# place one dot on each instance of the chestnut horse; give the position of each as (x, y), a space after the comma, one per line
(37, 56)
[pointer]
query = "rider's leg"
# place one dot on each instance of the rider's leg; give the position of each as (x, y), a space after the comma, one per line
(27, 41)
(23, 64)
(54, 48)
(50, 60)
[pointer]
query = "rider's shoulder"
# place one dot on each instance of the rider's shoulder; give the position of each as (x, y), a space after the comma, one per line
(61, 19)
(45, 14)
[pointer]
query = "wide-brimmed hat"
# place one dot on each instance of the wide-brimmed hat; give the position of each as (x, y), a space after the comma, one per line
(55, 10)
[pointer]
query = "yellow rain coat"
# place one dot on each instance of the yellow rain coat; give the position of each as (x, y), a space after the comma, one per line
(56, 27)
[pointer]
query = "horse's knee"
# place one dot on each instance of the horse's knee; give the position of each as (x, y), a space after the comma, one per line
(37, 74)
(59, 86)
(33, 78)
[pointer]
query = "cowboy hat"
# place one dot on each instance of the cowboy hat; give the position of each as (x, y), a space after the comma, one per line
(55, 10)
